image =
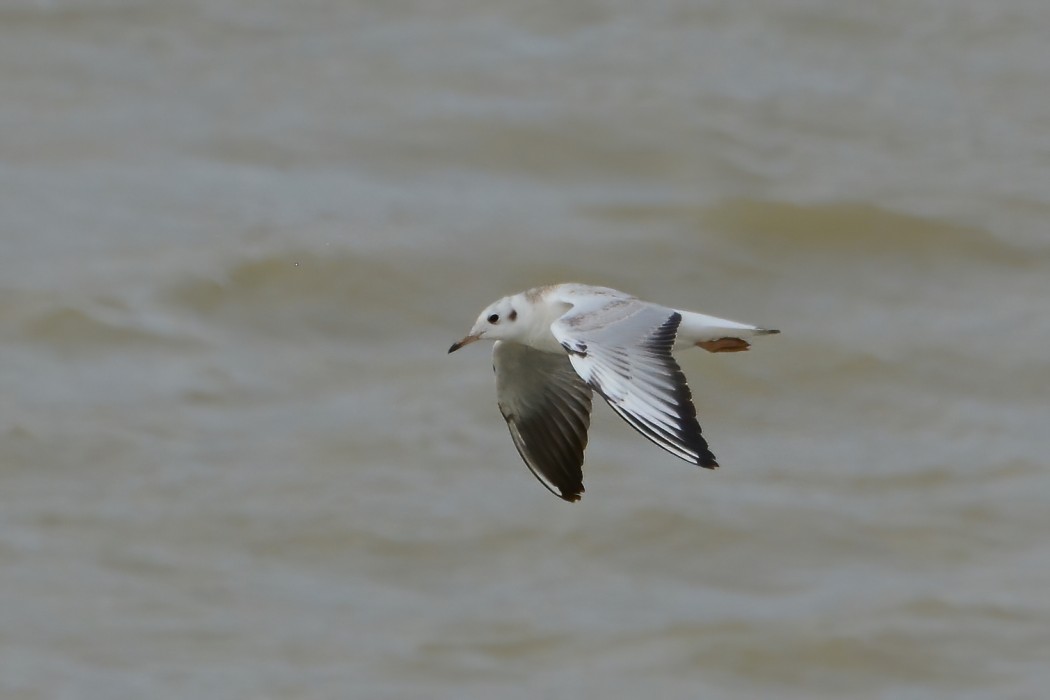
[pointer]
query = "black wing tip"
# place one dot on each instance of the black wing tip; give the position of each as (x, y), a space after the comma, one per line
(571, 496)
(565, 493)
(704, 457)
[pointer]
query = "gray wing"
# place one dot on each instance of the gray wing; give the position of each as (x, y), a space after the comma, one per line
(548, 410)
(621, 347)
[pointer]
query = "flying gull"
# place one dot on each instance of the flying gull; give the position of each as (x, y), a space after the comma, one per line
(556, 344)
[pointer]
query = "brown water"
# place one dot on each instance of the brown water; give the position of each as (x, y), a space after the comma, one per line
(238, 237)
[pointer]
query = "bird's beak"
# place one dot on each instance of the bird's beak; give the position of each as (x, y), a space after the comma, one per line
(466, 341)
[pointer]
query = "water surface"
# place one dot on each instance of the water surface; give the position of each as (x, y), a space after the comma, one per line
(236, 462)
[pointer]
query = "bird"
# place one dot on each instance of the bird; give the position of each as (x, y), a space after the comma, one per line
(557, 344)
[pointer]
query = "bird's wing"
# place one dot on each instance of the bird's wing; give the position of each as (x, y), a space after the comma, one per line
(621, 347)
(548, 410)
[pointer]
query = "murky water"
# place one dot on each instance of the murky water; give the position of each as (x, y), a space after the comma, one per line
(238, 237)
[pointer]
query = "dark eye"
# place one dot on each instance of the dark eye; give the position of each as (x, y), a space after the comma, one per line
(512, 315)
(494, 318)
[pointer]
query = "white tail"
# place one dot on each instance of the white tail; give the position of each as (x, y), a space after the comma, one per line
(716, 334)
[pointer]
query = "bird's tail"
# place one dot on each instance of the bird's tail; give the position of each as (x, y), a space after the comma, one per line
(716, 334)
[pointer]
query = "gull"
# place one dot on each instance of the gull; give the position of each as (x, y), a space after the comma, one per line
(557, 344)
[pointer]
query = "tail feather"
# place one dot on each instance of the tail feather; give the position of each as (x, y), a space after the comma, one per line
(698, 329)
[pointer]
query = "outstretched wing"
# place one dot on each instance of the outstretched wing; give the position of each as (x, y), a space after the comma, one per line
(547, 407)
(621, 347)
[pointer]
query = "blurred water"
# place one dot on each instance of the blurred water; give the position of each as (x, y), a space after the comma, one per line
(238, 237)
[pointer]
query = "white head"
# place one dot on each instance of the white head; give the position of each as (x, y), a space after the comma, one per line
(502, 320)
